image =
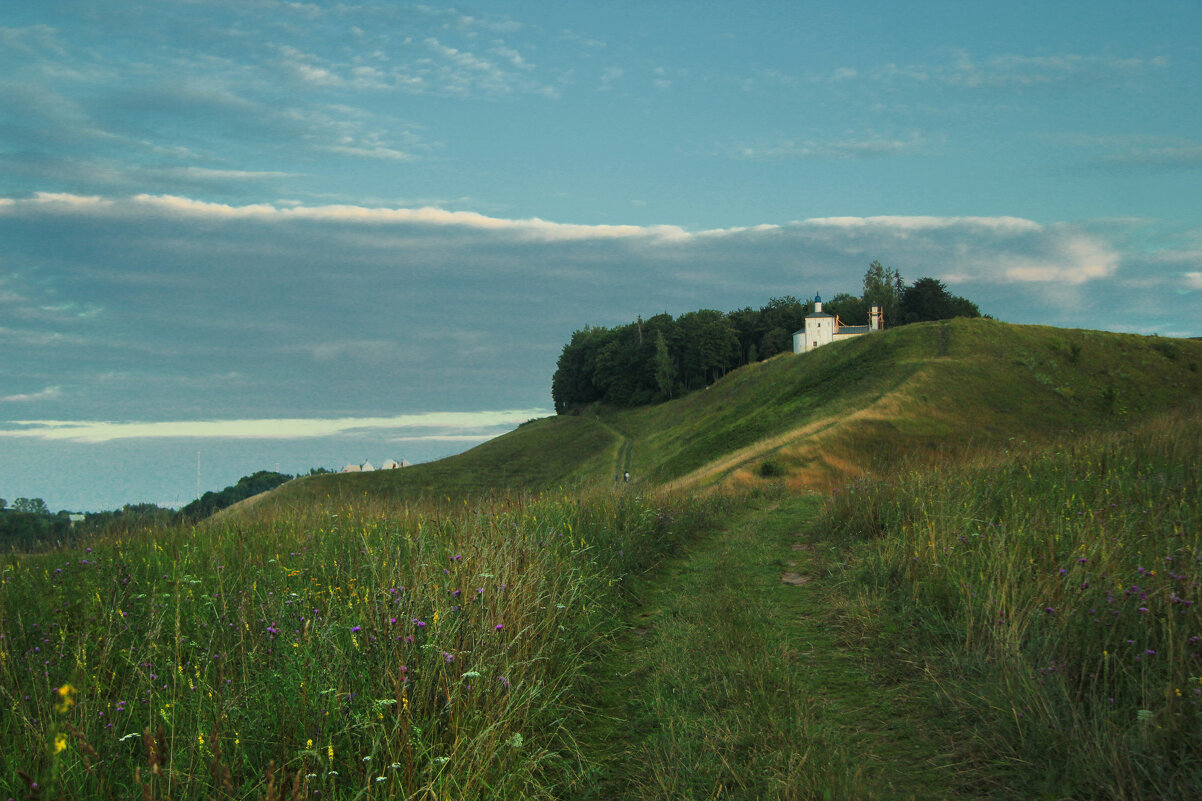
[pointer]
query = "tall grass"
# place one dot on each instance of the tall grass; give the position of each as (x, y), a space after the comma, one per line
(367, 651)
(1056, 594)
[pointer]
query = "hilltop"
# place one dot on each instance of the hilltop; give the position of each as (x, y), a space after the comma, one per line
(815, 420)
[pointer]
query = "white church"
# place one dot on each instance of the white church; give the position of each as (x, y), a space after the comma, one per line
(823, 329)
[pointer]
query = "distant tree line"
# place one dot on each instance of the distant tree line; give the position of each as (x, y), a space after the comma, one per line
(29, 525)
(212, 502)
(653, 360)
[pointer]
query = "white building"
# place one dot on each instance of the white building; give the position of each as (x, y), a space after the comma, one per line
(823, 329)
(389, 464)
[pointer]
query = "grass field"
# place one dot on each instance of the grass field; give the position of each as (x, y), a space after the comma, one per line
(377, 651)
(1053, 595)
(995, 595)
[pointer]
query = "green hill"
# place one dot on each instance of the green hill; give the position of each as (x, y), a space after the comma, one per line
(818, 419)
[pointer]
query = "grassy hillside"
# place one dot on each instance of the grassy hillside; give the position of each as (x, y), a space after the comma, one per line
(818, 419)
(1008, 602)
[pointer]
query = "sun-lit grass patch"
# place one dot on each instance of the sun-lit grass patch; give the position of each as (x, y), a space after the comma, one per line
(399, 651)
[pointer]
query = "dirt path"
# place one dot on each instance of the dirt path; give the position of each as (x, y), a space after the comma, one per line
(622, 459)
(736, 679)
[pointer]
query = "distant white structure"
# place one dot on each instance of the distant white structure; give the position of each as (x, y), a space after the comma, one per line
(823, 329)
(367, 467)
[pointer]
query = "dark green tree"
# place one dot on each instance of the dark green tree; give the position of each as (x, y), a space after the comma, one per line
(883, 287)
(665, 367)
(33, 506)
(848, 308)
(928, 299)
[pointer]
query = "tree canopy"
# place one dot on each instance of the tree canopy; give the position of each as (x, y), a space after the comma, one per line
(652, 360)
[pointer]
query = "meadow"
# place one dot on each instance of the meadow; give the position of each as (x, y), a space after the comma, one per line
(373, 650)
(1053, 595)
(1000, 599)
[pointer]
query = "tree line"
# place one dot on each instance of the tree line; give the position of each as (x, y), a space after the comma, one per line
(29, 525)
(653, 360)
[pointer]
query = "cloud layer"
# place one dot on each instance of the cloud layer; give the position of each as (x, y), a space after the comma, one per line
(443, 426)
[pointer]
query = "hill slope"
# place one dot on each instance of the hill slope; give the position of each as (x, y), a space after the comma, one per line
(817, 419)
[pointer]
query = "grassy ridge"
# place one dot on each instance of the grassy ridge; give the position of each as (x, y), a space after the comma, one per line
(1056, 596)
(553, 452)
(374, 650)
(824, 417)
(934, 388)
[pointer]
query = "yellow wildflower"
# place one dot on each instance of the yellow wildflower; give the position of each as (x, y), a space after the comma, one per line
(60, 743)
(66, 692)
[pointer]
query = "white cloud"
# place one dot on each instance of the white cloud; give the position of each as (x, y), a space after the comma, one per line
(926, 223)
(285, 428)
(1192, 280)
(1013, 70)
(49, 393)
(852, 147)
(534, 228)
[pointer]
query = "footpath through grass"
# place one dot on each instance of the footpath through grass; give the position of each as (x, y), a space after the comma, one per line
(732, 681)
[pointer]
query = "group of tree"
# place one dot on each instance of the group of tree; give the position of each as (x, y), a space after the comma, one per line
(212, 502)
(29, 525)
(653, 360)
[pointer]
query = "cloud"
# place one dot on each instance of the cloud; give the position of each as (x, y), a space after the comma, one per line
(852, 147)
(285, 428)
(181, 207)
(35, 40)
(1014, 70)
(1192, 280)
(998, 250)
(49, 393)
(1174, 156)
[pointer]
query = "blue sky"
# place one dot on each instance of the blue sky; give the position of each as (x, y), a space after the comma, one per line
(285, 234)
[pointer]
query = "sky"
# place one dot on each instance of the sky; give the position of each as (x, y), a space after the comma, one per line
(249, 234)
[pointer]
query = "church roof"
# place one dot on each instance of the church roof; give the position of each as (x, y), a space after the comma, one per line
(818, 314)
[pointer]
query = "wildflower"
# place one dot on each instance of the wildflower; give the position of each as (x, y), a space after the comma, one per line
(60, 743)
(500, 626)
(66, 692)
(309, 743)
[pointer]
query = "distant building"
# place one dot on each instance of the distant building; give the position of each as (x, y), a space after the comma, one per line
(366, 467)
(822, 328)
